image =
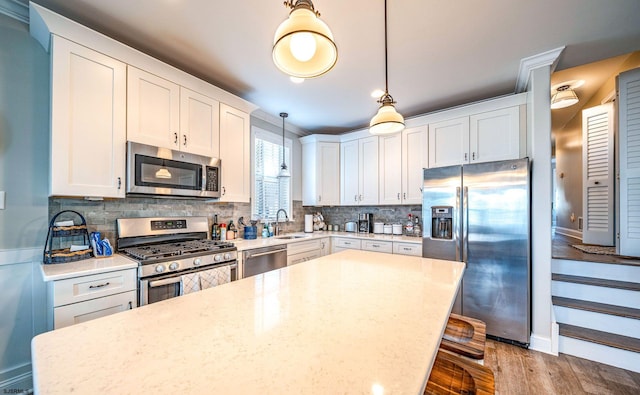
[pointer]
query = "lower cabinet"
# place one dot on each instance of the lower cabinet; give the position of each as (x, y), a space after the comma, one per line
(344, 243)
(303, 251)
(377, 246)
(79, 299)
(407, 248)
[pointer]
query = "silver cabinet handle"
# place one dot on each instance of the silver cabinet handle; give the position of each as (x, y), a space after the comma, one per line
(175, 138)
(375, 245)
(99, 285)
(406, 248)
(130, 305)
(185, 140)
(360, 197)
(404, 195)
(355, 197)
(119, 182)
(224, 190)
(398, 195)
(319, 198)
(465, 156)
(473, 156)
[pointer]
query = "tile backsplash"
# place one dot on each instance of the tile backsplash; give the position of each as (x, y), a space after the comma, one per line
(338, 215)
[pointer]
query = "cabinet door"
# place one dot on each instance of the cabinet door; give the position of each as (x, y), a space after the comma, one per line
(449, 142)
(368, 170)
(234, 154)
(91, 309)
(153, 110)
(199, 124)
(414, 161)
(495, 135)
(88, 122)
(390, 169)
(349, 165)
(329, 176)
(325, 246)
(378, 246)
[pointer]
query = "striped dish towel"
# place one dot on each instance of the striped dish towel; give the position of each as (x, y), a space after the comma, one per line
(213, 277)
(190, 283)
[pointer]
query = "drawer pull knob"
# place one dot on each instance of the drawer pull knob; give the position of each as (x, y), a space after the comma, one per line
(99, 285)
(375, 245)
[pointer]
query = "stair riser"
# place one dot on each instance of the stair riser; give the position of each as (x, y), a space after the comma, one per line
(601, 322)
(613, 296)
(596, 270)
(596, 352)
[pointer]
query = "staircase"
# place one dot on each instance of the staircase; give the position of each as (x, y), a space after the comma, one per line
(597, 307)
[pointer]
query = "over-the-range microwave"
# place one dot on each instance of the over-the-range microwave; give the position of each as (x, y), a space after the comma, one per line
(164, 172)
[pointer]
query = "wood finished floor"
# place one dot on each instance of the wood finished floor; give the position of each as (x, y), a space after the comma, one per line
(520, 371)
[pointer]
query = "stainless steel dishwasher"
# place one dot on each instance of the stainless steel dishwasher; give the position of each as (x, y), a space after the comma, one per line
(261, 260)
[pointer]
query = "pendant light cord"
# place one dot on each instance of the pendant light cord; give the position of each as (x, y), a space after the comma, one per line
(386, 66)
(283, 115)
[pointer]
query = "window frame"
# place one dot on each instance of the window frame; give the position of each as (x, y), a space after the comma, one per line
(259, 133)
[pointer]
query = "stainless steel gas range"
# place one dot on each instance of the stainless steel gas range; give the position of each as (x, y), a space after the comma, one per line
(170, 251)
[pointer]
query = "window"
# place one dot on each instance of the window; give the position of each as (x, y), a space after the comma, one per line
(270, 192)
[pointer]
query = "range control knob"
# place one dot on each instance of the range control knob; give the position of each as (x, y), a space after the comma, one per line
(197, 262)
(227, 256)
(173, 266)
(217, 258)
(159, 269)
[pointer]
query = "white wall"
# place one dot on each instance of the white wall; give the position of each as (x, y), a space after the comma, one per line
(24, 158)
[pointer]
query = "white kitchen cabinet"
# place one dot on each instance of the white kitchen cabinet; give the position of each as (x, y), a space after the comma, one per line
(486, 137)
(343, 243)
(83, 298)
(88, 122)
(320, 171)
(235, 152)
(166, 115)
(377, 246)
(359, 171)
(302, 251)
(325, 246)
(199, 123)
(407, 248)
(153, 110)
(402, 158)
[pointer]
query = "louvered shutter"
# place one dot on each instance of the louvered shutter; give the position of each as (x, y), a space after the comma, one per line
(628, 87)
(597, 175)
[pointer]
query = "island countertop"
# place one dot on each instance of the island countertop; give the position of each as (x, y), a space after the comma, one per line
(354, 322)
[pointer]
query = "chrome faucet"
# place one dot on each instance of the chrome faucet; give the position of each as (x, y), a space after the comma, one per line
(278, 230)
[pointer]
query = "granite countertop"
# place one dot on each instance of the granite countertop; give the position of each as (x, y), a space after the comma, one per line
(355, 322)
(85, 267)
(243, 244)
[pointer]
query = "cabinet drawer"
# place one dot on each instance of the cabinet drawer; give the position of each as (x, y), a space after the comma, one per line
(302, 246)
(354, 244)
(377, 246)
(91, 309)
(303, 257)
(407, 249)
(79, 289)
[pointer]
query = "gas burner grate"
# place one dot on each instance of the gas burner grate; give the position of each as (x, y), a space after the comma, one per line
(166, 250)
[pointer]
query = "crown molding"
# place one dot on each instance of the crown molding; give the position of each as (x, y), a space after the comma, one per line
(549, 58)
(15, 9)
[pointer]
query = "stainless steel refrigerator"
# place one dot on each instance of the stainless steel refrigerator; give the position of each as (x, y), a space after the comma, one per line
(480, 214)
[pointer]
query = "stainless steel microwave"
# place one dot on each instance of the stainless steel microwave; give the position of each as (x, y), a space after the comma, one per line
(164, 172)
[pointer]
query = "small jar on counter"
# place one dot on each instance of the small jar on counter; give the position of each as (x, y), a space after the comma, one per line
(231, 231)
(223, 231)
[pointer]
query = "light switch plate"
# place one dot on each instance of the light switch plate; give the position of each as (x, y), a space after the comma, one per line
(2, 196)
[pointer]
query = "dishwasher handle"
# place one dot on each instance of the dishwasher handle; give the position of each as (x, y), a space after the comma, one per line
(249, 255)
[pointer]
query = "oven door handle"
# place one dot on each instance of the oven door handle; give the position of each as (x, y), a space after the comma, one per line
(177, 279)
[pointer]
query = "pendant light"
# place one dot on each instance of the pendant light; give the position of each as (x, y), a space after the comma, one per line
(303, 45)
(387, 120)
(284, 170)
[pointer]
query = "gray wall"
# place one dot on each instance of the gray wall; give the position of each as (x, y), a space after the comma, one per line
(24, 150)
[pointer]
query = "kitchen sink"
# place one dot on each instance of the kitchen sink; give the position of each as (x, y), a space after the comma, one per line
(288, 237)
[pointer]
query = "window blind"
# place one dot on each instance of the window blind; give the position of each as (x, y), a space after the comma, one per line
(271, 193)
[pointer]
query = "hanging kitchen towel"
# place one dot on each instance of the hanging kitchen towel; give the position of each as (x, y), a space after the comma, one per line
(218, 276)
(189, 283)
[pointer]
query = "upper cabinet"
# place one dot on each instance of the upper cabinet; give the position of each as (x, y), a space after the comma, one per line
(320, 170)
(402, 159)
(88, 122)
(164, 114)
(235, 152)
(485, 137)
(359, 171)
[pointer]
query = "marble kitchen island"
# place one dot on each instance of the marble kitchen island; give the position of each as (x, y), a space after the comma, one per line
(355, 322)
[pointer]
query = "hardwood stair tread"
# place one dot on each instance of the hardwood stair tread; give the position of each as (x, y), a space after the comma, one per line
(599, 337)
(599, 282)
(610, 309)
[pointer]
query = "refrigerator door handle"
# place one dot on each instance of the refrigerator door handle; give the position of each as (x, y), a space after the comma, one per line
(456, 225)
(465, 224)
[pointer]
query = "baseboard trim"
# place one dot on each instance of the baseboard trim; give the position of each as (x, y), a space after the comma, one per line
(542, 344)
(18, 380)
(576, 234)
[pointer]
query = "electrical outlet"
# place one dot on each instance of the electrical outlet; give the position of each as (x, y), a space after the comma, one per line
(2, 197)
(573, 217)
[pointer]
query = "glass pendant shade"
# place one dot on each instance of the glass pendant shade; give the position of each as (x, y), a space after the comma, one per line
(564, 97)
(284, 171)
(163, 173)
(303, 45)
(387, 120)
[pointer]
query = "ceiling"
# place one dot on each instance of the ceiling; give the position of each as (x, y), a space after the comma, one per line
(441, 53)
